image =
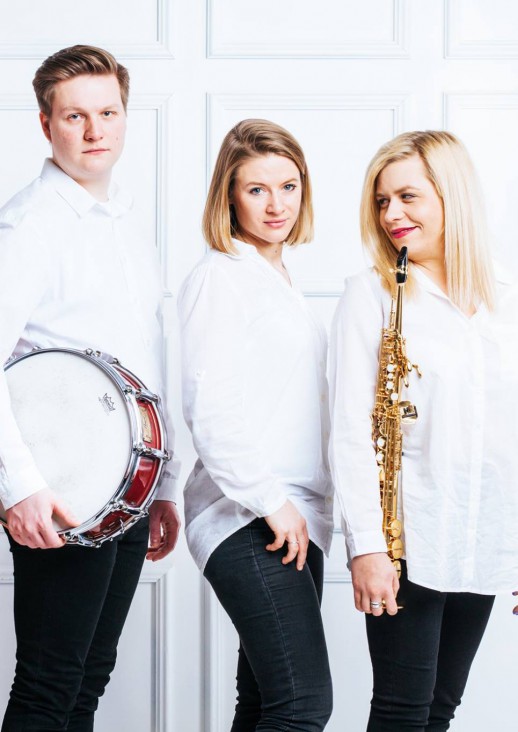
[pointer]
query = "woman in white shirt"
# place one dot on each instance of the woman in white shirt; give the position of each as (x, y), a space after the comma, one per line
(258, 503)
(458, 499)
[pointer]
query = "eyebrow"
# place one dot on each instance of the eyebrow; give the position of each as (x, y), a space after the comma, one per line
(258, 183)
(401, 190)
(78, 108)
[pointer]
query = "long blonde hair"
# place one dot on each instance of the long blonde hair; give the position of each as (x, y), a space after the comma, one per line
(469, 268)
(252, 138)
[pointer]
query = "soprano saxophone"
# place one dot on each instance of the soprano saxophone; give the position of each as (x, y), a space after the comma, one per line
(388, 414)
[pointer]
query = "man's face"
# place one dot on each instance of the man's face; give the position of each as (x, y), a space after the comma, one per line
(86, 129)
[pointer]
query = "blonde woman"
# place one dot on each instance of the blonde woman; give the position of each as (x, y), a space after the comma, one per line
(459, 500)
(258, 502)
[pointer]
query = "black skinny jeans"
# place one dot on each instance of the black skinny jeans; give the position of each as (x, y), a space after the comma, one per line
(421, 657)
(70, 605)
(283, 678)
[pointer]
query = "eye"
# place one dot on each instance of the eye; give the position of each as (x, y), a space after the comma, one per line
(109, 113)
(255, 191)
(290, 187)
(382, 202)
(74, 116)
(407, 196)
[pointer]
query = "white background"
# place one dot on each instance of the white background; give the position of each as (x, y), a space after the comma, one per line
(344, 77)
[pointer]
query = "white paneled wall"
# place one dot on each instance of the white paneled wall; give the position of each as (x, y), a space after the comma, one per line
(344, 77)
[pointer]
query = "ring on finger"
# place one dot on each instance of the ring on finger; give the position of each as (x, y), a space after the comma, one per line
(293, 542)
(376, 604)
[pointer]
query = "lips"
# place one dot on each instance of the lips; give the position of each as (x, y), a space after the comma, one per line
(95, 151)
(399, 233)
(276, 224)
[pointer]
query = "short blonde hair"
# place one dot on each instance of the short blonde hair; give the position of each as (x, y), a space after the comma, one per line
(76, 61)
(252, 138)
(469, 268)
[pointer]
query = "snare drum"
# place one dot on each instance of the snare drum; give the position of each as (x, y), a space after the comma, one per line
(96, 435)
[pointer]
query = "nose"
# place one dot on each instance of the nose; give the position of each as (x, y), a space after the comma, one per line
(275, 204)
(394, 209)
(93, 129)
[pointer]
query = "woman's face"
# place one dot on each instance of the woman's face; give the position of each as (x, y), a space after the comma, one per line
(266, 198)
(410, 210)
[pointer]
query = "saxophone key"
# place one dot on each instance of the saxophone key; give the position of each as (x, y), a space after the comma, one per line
(395, 548)
(395, 528)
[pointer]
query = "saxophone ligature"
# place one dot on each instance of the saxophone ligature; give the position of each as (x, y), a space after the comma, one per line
(390, 412)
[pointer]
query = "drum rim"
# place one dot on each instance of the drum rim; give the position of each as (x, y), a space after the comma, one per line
(129, 395)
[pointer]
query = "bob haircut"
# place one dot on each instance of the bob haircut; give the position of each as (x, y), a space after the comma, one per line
(76, 61)
(469, 268)
(252, 138)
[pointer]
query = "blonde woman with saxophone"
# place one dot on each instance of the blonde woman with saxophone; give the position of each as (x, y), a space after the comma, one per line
(450, 476)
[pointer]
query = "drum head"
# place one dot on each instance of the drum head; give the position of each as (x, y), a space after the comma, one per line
(75, 420)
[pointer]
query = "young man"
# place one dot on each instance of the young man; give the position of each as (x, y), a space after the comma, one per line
(74, 273)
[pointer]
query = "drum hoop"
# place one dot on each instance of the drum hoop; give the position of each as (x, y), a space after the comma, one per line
(129, 394)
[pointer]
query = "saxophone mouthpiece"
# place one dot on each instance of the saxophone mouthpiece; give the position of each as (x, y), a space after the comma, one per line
(402, 266)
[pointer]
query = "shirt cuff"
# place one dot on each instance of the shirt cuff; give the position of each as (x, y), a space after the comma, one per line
(365, 542)
(167, 490)
(269, 504)
(16, 488)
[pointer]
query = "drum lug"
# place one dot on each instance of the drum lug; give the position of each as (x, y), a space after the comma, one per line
(147, 395)
(121, 505)
(153, 452)
(80, 540)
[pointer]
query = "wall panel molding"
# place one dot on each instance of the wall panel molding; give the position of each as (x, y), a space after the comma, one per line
(459, 47)
(162, 106)
(161, 47)
(458, 101)
(223, 110)
(375, 48)
(397, 104)
(162, 650)
(215, 702)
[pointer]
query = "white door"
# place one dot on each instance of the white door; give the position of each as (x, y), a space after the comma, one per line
(344, 77)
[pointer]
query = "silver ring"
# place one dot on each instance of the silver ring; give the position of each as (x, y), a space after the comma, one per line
(375, 605)
(293, 542)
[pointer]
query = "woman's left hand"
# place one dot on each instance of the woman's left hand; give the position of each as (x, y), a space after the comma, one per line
(289, 527)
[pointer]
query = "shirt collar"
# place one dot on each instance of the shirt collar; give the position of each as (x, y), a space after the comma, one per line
(119, 201)
(243, 249)
(427, 283)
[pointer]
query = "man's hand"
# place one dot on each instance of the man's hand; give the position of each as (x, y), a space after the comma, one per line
(374, 580)
(164, 527)
(30, 521)
(289, 527)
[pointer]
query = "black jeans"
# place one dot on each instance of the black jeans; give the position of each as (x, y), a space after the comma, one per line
(70, 605)
(421, 657)
(283, 678)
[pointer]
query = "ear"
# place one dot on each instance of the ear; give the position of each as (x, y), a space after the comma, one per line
(45, 126)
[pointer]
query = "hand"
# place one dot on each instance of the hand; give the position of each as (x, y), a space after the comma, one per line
(164, 527)
(30, 521)
(289, 526)
(515, 609)
(376, 580)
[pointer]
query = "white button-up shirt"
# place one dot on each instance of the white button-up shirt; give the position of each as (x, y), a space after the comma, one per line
(255, 399)
(74, 273)
(460, 458)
